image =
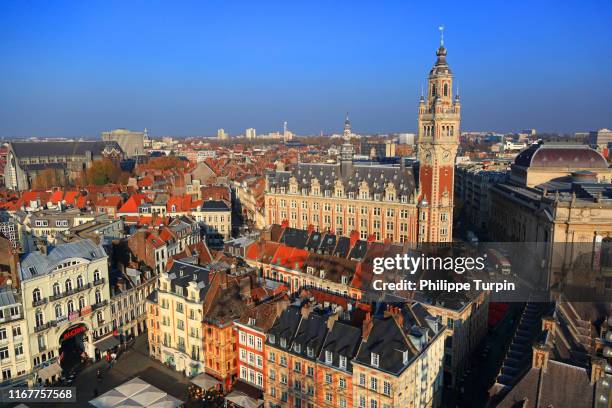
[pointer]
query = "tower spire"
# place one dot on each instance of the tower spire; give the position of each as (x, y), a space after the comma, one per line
(441, 28)
(347, 128)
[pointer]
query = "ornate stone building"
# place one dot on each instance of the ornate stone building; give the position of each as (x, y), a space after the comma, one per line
(559, 199)
(381, 201)
(438, 139)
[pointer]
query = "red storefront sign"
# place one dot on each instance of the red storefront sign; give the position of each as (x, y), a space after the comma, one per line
(73, 331)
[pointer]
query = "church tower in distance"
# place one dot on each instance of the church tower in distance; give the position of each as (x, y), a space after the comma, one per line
(438, 140)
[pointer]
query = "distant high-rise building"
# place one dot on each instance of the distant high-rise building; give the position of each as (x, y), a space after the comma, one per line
(601, 139)
(287, 135)
(221, 135)
(250, 133)
(132, 143)
(406, 138)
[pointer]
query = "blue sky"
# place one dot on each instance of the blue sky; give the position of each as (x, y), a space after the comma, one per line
(189, 68)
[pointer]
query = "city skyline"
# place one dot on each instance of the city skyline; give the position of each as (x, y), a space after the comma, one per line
(187, 71)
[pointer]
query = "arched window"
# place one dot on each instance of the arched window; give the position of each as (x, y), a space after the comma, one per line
(98, 296)
(96, 275)
(70, 306)
(56, 289)
(58, 311)
(445, 89)
(68, 285)
(36, 295)
(81, 302)
(39, 318)
(79, 281)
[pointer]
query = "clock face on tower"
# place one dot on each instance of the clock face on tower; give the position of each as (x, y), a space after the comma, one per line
(428, 157)
(446, 156)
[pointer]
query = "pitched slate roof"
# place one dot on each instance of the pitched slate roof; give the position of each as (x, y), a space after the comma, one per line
(310, 335)
(42, 149)
(285, 326)
(389, 343)
(36, 263)
(376, 175)
(342, 340)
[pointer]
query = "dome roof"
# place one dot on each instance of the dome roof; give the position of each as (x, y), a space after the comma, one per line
(441, 66)
(574, 156)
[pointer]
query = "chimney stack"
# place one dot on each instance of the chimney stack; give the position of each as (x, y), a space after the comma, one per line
(597, 369)
(396, 313)
(549, 323)
(306, 309)
(541, 353)
(367, 326)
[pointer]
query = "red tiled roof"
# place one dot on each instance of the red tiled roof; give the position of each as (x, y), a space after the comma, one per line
(56, 197)
(290, 257)
(109, 201)
(81, 201)
(155, 241)
(70, 197)
(131, 205)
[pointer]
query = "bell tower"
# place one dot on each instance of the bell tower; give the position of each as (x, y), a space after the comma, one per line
(438, 140)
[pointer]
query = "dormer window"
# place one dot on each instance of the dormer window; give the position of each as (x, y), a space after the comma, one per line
(345, 280)
(342, 363)
(272, 339)
(310, 351)
(405, 357)
(297, 348)
(329, 356)
(283, 342)
(251, 321)
(374, 359)
(322, 274)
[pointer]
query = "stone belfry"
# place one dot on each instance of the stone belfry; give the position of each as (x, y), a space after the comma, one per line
(438, 140)
(347, 151)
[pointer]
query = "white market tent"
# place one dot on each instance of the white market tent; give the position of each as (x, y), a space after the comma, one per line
(135, 393)
(243, 400)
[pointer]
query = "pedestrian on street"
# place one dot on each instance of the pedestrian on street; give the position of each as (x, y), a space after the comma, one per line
(99, 375)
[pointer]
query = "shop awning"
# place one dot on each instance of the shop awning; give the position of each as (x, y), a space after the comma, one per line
(136, 393)
(243, 400)
(49, 371)
(205, 381)
(106, 343)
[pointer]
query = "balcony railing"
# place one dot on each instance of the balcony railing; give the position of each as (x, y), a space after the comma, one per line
(70, 292)
(39, 302)
(98, 282)
(99, 304)
(42, 327)
(10, 318)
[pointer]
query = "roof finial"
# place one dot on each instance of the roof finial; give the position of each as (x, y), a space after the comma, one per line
(441, 28)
